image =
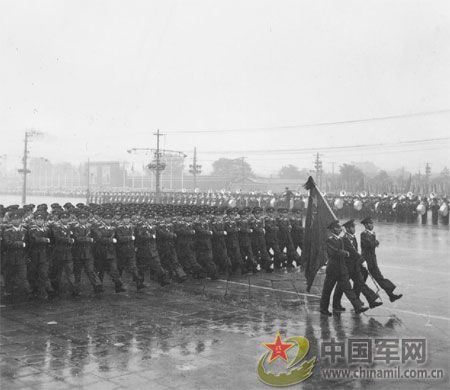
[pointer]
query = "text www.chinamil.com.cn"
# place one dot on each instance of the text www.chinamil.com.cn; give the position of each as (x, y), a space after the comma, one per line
(382, 373)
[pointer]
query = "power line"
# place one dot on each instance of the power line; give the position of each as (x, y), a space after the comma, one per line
(308, 125)
(331, 148)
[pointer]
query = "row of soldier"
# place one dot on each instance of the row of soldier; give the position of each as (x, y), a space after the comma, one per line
(386, 208)
(170, 242)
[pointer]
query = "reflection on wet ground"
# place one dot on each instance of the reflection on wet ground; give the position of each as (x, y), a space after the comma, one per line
(207, 335)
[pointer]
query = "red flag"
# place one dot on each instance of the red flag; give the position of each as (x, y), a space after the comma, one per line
(318, 217)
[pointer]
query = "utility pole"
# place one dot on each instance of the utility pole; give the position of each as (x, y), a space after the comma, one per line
(157, 165)
(318, 168)
(195, 169)
(88, 181)
(427, 176)
(24, 170)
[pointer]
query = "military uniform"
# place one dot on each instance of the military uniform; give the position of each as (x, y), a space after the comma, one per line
(272, 243)
(337, 275)
(185, 247)
(126, 254)
(15, 259)
(165, 237)
(233, 249)
(369, 243)
(39, 251)
(258, 237)
(105, 252)
(353, 263)
(245, 244)
(147, 256)
(83, 256)
(203, 247)
(62, 259)
(285, 239)
(219, 246)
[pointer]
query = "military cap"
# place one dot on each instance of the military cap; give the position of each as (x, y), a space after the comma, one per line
(42, 206)
(40, 214)
(282, 209)
(80, 205)
(68, 205)
(367, 220)
(349, 223)
(270, 208)
(333, 224)
(63, 214)
(12, 207)
(82, 214)
(55, 205)
(16, 214)
(257, 209)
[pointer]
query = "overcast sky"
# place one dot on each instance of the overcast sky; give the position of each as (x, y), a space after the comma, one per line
(98, 77)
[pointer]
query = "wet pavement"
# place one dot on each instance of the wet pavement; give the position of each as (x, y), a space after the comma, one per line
(208, 335)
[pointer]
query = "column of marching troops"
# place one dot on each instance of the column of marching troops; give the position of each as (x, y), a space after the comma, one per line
(398, 208)
(42, 247)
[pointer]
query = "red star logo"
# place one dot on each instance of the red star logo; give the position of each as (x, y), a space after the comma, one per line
(278, 349)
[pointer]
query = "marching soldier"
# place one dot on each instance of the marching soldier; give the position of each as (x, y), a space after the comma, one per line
(285, 238)
(62, 260)
(245, 244)
(165, 241)
(103, 233)
(219, 245)
(259, 240)
(337, 273)
(147, 253)
(83, 253)
(185, 247)
(434, 206)
(125, 249)
(369, 243)
(38, 270)
(353, 263)
(203, 246)
(232, 240)
(15, 257)
(272, 229)
(297, 231)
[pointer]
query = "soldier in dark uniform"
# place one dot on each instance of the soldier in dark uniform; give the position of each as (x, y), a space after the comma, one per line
(165, 241)
(219, 245)
(245, 243)
(203, 246)
(232, 240)
(272, 229)
(297, 232)
(147, 256)
(285, 238)
(103, 233)
(353, 263)
(185, 247)
(369, 243)
(39, 247)
(337, 273)
(258, 237)
(83, 253)
(434, 206)
(126, 254)
(445, 215)
(62, 260)
(15, 256)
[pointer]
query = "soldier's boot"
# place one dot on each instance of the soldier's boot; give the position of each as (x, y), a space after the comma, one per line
(163, 279)
(179, 274)
(119, 287)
